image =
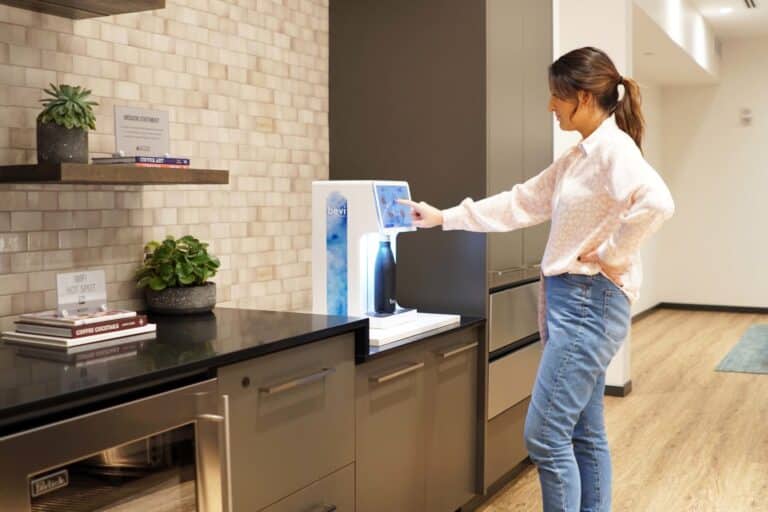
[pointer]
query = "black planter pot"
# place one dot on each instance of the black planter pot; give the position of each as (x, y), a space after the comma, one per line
(183, 300)
(57, 144)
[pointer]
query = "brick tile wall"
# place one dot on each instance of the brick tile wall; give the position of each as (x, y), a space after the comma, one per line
(245, 83)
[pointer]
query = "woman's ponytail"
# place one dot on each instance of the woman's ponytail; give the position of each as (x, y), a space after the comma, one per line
(629, 116)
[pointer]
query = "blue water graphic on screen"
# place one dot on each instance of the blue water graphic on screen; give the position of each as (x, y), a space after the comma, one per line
(336, 254)
(391, 213)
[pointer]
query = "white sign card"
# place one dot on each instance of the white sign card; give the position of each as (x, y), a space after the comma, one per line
(80, 293)
(141, 132)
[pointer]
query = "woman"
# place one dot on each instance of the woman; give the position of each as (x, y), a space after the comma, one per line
(603, 199)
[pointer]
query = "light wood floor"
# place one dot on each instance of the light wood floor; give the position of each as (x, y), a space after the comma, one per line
(688, 438)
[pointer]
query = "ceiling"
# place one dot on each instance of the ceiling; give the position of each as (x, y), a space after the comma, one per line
(739, 23)
(658, 60)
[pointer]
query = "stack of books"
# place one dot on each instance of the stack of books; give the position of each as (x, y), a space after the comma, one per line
(144, 161)
(49, 331)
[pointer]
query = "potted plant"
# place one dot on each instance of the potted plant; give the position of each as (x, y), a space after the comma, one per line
(175, 275)
(62, 126)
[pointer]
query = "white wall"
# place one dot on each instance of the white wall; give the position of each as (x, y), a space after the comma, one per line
(683, 23)
(715, 248)
(653, 152)
(605, 24)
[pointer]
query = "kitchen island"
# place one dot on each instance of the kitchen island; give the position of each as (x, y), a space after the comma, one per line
(299, 396)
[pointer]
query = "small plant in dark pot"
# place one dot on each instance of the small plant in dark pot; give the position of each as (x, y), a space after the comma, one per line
(62, 126)
(175, 276)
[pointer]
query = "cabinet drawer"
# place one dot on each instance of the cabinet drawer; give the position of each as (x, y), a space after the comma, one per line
(292, 419)
(513, 315)
(334, 493)
(511, 378)
(505, 444)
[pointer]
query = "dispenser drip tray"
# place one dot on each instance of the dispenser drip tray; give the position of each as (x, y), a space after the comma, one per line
(387, 320)
(422, 322)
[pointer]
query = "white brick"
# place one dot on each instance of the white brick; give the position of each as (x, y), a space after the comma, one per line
(13, 283)
(26, 221)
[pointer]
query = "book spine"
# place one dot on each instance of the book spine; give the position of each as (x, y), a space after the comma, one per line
(161, 160)
(167, 166)
(142, 160)
(117, 325)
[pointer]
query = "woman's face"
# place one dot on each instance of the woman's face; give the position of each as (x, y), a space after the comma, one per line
(564, 111)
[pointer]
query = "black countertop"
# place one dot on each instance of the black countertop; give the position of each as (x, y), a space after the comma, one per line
(35, 391)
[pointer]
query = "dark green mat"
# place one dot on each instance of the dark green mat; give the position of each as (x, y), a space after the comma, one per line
(750, 355)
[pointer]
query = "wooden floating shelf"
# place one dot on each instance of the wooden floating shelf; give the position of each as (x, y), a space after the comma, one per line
(80, 9)
(101, 174)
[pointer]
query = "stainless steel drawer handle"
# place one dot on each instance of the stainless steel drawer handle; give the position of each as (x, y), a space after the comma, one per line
(300, 381)
(409, 368)
(225, 453)
(456, 351)
(503, 271)
(323, 508)
(216, 418)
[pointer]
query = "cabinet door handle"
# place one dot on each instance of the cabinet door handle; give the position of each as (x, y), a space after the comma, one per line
(323, 508)
(300, 381)
(225, 451)
(227, 469)
(408, 368)
(445, 354)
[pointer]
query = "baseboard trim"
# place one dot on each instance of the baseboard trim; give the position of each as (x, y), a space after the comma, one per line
(620, 391)
(712, 307)
(647, 312)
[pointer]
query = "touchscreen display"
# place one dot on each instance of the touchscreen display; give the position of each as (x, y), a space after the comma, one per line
(391, 213)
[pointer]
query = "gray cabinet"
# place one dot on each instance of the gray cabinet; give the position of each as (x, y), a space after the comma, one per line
(452, 419)
(511, 378)
(416, 426)
(391, 423)
(291, 419)
(505, 445)
(334, 493)
(513, 315)
(536, 121)
(519, 138)
(505, 94)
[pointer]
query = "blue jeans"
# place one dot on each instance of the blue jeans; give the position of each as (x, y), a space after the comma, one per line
(587, 320)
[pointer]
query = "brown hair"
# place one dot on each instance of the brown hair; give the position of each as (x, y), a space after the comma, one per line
(591, 70)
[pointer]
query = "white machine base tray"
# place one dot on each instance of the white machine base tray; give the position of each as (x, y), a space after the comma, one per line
(424, 322)
(387, 321)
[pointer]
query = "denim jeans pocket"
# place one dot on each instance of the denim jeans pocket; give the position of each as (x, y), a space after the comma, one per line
(615, 314)
(580, 279)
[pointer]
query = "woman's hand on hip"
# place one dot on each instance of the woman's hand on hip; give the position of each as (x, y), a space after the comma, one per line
(424, 215)
(613, 273)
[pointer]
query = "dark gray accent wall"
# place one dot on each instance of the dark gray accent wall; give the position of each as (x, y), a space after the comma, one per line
(407, 102)
(451, 96)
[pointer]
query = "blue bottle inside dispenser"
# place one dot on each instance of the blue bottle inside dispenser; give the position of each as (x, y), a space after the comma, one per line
(384, 278)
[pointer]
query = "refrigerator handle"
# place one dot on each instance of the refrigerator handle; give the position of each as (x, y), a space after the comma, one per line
(225, 450)
(226, 465)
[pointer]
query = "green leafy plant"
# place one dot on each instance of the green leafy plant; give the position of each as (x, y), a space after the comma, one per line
(69, 107)
(176, 263)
